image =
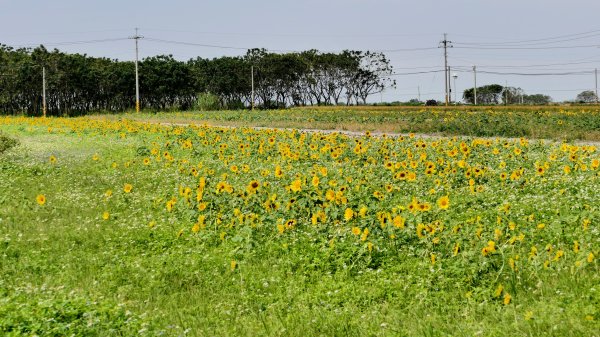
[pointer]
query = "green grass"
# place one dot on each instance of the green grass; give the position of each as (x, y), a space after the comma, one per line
(67, 271)
(541, 122)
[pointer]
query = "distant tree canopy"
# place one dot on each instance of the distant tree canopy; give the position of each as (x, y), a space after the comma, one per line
(488, 94)
(78, 84)
(537, 99)
(587, 96)
(496, 94)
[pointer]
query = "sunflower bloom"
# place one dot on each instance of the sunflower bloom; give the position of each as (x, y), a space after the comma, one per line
(127, 188)
(398, 222)
(40, 199)
(296, 185)
(444, 202)
(348, 214)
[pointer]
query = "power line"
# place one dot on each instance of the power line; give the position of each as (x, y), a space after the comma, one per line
(537, 40)
(532, 48)
(417, 72)
(359, 35)
(531, 74)
(533, 70)
(195, 44)
(500, 66)
(66, 33)
(527, 43)
(418, 67)
(531, 65)
(274, 50)
(70, 43)
(404, 50)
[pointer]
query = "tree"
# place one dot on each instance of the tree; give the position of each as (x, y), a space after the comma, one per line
(373, 76)
(512, 95)
(487, 94)
(537, 99)
(78, 84)
(587, 96)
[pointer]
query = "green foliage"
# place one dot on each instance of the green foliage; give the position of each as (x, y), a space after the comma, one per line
(55, 313)
(548, 122)
(68, 271)
(537, 99)
(207, 102)
(6, 143)
(486, 95)
(79, 84)
(587, 96)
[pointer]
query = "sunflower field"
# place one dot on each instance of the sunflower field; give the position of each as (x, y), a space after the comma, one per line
(122, 227)
(567, 123)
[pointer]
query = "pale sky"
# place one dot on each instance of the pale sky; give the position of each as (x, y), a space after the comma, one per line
(334, 25)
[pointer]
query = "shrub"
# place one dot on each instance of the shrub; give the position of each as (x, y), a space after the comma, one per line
(6, 143)
(207, 102)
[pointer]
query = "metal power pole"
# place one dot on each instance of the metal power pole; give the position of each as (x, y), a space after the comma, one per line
(475, 83)
(252, 80)
(419, 92)
(44, 91)
(136, 37)
(445, 44)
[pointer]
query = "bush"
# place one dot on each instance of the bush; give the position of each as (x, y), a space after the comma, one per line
(6, 143)
(235, 105)
(207, 102)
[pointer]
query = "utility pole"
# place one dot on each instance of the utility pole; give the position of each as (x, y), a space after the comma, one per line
(475, 87)
(419, 92)
(44, 91)
(596, 78)
(449, 87)
(455, 76)
(505, 92)
(136, 37)
(445, 44)
(252, 80)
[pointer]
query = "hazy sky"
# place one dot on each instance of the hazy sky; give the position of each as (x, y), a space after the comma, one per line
(334, 25)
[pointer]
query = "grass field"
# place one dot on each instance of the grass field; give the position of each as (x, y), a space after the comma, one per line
(535, 122)
(115, 227)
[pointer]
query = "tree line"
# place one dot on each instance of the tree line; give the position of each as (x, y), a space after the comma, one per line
(78, 84)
